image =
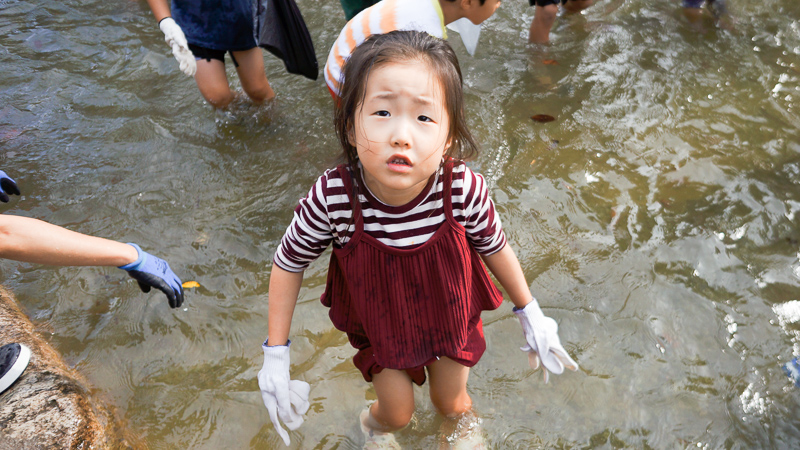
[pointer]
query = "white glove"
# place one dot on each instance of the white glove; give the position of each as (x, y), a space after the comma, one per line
(180, 48)
(284, 398)
(541, 334)
(469, 33)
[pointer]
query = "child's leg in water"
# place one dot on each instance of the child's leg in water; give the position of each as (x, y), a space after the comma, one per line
(543, 19)
(251, 74)
(576, 6)
(693, 14)
(693, 11)
(395, 404)
(213, 82)
(448, 389)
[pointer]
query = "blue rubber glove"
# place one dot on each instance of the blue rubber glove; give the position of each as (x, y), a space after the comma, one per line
(150, 271)
(7, 187)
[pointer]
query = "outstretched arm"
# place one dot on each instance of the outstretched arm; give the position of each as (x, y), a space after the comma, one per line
(34, 241)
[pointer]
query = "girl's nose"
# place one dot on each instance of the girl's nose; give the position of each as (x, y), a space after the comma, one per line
(400, 142)
(400, 135)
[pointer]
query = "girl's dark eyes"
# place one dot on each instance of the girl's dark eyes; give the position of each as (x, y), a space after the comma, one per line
(383, 113)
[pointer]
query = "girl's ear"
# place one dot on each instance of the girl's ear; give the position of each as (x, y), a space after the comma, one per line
(448, 148)
(351, 139)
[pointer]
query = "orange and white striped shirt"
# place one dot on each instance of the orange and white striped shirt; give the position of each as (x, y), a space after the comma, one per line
(383, 17)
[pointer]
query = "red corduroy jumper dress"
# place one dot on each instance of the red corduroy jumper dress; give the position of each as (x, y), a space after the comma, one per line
(402, 309)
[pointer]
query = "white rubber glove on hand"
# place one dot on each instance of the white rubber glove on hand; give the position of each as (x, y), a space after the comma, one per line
(180, 48)
(543, 344)
(285, 399)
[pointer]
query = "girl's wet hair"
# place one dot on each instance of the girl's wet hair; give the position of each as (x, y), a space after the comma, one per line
(401, 46)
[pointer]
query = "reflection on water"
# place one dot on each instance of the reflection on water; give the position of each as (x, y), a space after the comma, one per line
(656, 219)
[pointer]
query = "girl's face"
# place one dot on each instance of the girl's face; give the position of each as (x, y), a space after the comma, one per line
(401, 130)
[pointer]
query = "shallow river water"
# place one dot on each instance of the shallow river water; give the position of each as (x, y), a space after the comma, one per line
(656, 220)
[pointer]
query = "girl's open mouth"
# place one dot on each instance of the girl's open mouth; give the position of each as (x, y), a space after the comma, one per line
(399, 162)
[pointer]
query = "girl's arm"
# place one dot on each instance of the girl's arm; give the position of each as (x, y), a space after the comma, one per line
(174, 37)
(302, 243)
(160, 9)
(506, 268)
(284, 287)
(286, 399)
(541, 332)
(31, 240)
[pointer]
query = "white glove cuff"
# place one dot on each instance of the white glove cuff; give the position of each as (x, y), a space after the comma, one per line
(529, 314)
(166, 23)
(276, 357)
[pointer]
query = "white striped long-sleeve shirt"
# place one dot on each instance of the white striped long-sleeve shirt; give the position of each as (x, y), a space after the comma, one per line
(325, 215)
(381, 18)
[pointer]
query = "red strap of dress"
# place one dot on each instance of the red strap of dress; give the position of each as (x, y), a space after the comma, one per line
(447, 195)
(347, 181)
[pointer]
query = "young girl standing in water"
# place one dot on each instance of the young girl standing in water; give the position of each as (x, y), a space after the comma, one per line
(408, 221)
(212, 28)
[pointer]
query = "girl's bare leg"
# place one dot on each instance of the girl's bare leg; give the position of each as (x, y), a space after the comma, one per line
(448, 387)
(251, 74)
(213, 82)
(395, 404)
